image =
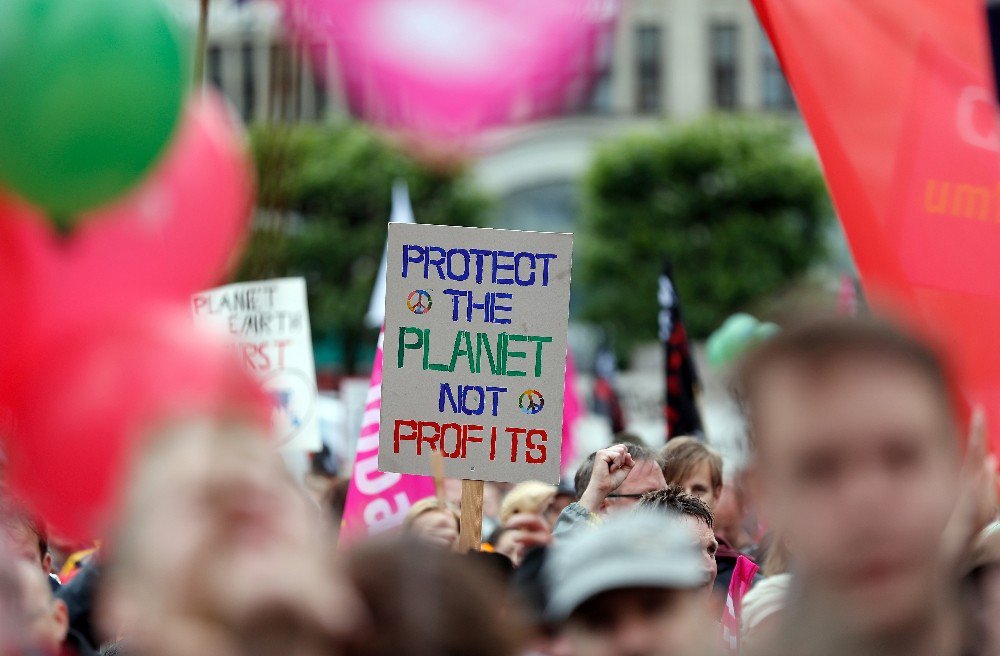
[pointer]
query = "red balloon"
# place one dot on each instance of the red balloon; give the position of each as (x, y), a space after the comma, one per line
(94, 393)
(175, 234)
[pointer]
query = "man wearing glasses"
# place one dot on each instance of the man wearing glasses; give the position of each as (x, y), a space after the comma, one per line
(620, 475)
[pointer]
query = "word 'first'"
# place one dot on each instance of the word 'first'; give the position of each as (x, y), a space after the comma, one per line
(483, 355)
(521, 268)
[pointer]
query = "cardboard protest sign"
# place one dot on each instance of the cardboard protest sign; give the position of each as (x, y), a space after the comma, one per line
(475, 352)
(268, 322)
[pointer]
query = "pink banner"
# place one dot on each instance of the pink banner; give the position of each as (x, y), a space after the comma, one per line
(572, 413)
(739, 585)
(377, 501)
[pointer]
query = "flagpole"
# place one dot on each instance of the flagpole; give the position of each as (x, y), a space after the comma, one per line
(201, 44)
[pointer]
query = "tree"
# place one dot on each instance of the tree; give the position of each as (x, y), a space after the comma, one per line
(736, 207)
(324, 200)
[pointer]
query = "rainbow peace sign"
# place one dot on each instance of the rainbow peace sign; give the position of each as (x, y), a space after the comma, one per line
(419, 301)
(531, 402)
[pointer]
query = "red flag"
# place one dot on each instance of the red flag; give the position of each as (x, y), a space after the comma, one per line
(898, 97)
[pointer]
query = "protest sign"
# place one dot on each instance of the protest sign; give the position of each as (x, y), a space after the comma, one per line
(475, 352)
(268, 323)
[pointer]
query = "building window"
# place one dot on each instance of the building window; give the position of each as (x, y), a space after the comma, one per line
(724, 43)
(599, 100)
(649, 70)
(249, 87)
(777, 94)
(213, 65)
(318, 73)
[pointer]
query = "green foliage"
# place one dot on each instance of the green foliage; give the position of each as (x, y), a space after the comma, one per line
(324, 199)
(736, 207)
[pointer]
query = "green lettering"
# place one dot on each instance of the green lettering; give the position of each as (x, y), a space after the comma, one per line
(401, 349)
(516, 354)
(483, 344)
(538, 352)
(466, 351)
(436, 366)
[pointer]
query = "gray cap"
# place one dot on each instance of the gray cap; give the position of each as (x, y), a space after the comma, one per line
(633, 550)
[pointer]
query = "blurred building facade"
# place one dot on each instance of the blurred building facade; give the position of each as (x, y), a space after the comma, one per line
(673, 58)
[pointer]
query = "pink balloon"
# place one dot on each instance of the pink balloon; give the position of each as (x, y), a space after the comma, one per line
(445, 69)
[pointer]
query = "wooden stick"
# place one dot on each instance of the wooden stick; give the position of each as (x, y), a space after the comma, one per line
(471, 536)
(437, 461)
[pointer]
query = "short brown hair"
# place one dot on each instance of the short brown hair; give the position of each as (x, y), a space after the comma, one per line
(674, 499)
(819, 344)
(586, 468)
(681, 455)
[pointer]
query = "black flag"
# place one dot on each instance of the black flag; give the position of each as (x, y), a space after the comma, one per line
(681, 407)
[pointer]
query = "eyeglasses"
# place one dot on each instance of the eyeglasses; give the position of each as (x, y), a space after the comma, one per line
(625, 496)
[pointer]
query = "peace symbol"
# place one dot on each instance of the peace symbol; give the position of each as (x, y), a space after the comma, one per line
(419, 301)
(531, 402)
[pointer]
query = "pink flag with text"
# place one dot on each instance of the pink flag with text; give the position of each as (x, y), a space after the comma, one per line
(377, 501)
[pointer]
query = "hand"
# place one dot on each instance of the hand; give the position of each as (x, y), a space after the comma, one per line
(528, 530)
(611, 467)
(977, 500)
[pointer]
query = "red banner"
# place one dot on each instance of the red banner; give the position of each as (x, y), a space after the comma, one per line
(898, 97)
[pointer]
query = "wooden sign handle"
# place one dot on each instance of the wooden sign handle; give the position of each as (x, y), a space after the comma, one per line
(470, 537)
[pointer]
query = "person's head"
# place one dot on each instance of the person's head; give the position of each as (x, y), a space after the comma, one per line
(855, 444)
(529, 497)
(644, 477)
(695, 514)
(45, 619)
(692, 465)
(433, 523)
(730, 511)
(428, 602)
(630, 587)
(217, 550)
(26, 536)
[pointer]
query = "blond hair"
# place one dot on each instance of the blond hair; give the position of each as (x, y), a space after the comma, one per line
(526, 497)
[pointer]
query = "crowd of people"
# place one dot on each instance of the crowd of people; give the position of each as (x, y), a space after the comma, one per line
(865, 525)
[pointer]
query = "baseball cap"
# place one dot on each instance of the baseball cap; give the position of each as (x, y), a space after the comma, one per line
(635, 550)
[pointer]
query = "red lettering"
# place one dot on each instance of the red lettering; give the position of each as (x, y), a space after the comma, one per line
(458, 440)
(531, 447)
(431, 439)
(396, 437)
(514, 432)
(469, 437)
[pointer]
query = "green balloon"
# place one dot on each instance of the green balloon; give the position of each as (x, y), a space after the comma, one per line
(737, 333)
(90, 94)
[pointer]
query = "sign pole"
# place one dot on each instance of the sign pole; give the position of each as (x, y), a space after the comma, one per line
(470, 537)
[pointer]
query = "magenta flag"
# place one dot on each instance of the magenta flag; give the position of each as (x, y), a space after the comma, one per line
(739, 585)
(572, 413)
(377, 501)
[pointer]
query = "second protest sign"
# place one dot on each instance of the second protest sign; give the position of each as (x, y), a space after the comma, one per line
(475, 352)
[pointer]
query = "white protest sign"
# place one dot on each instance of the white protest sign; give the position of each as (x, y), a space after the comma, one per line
(268, 325)
(475, 352)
